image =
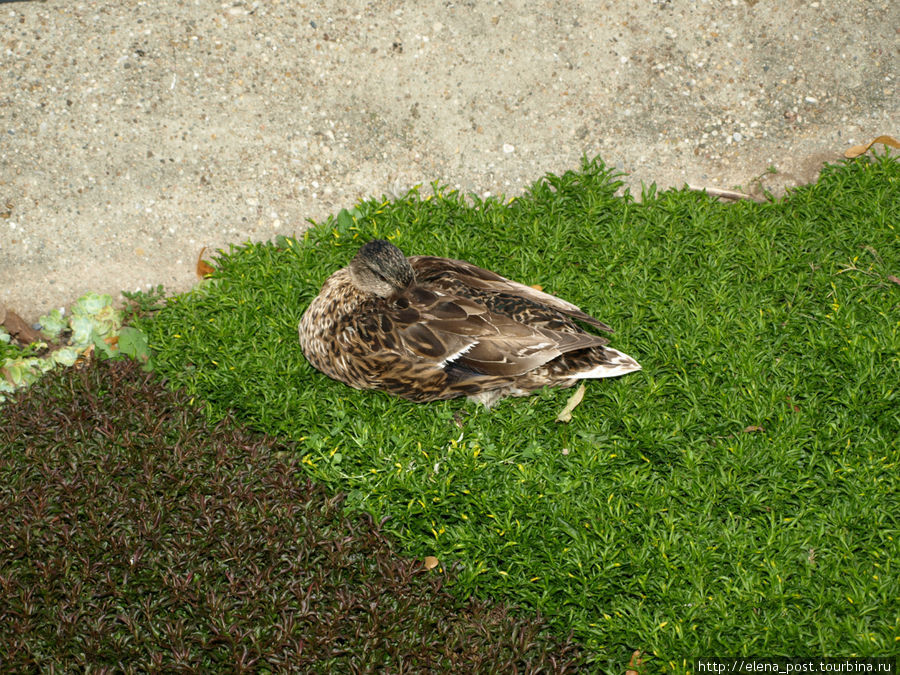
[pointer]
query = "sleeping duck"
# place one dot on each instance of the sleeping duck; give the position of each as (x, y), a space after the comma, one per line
(428, 328)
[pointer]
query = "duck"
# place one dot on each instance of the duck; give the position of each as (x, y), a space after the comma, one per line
(427, 328)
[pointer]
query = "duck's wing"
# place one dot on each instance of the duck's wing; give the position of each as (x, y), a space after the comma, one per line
(443, 330)
(460, 277)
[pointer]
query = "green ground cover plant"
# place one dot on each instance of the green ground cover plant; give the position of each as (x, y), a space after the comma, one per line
(738, 496)
(137, 537)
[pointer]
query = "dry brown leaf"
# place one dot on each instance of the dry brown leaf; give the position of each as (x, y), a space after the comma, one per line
(894, 279)
(537, 287)
(85, 358)
(635, 663)
(858, 150)
(752, 428)
(204, 269)
(565, 414)
(431, 562)
(19, 329)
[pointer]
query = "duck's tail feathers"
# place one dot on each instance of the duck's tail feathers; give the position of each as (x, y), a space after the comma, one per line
(616, 364)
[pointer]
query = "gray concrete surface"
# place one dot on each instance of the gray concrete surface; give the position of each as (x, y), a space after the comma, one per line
(133, 133)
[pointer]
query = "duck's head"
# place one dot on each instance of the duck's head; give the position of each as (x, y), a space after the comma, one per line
(380, 268)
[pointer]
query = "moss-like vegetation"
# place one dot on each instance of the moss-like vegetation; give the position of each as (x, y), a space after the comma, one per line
(740, 495)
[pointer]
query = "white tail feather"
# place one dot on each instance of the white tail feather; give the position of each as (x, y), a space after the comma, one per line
(619, 364)
(456, 355)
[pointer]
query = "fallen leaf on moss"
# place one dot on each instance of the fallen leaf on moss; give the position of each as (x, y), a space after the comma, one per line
(431, 562)
(858, 150)
(565, 414)
(635, 663)
(204, 269)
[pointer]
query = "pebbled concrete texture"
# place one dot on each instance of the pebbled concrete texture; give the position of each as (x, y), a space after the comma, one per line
(134, 133)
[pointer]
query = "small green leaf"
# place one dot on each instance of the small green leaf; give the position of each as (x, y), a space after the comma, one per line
(104, 348)
(65, 356)
(52, 324)
(344, 219)
(133, 343)
(82, 330)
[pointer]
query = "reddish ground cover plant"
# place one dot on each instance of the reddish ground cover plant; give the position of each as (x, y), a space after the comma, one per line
(136, 536)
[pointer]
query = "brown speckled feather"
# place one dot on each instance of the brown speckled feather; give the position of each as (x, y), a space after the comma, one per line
(429, 328)
(508, 297)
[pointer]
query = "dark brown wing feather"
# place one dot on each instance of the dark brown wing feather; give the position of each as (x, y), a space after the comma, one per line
(459, 277)
(437, 328)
